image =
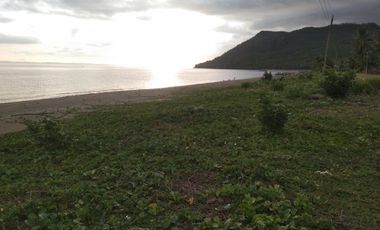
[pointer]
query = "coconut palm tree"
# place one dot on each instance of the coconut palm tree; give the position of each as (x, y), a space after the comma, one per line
(362, 47)
(377, 50)
(377, 43)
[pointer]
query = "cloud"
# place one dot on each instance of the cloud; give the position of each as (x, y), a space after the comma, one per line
(59, 51)
(99, 45)
(144, 18)
(5, 19)
(312, 15)
(262, 14)
(284, 14)
(71, 51)
(230, 7)
(9, 39)
(233, 29)
(81, 8)
(108, 8)
(74, 32)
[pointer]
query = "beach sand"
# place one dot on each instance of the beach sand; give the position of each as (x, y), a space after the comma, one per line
(14, 115)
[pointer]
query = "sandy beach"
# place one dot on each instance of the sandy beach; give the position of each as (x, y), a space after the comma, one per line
(13, 115)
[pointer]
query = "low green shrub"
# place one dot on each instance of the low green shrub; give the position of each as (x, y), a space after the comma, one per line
(267, 76)
(294, 92)
(48, 133)
(246, 85)
(361, 87)
(337, 85)
(306, 75)
(375, 83)
(277, 85)
(273, 117)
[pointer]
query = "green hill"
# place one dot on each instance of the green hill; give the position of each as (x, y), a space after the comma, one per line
(288, 50)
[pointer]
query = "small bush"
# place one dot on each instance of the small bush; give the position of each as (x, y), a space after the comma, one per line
(267, 76)
(246, 85)
(337, 85)
(375, 83)
(305, 75)
(361, 87)
(318, 64)
(295, 92)
(277, 86)
(49, 133)
(273, 117)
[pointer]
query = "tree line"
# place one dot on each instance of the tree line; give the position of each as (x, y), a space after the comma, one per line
(365, 56)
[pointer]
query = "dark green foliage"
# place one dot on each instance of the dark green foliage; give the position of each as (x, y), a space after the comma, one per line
(375, 83)
(366, 54)
(337, 85)
(294, 92)
(49, 134)
(273, 116)
(376, 52)
(361, 87)
(267, 76)
(277, 85)
(246, 85)
(264, 207)
(309, 87)
(344, 65)
(289, 50)
(361, 48)
(306, 75)
(377, 41)
(319, 63)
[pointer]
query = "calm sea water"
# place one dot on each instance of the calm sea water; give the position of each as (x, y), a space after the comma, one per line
(25, 81)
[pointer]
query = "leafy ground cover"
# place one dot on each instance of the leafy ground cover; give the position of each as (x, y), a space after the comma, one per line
(200, 161)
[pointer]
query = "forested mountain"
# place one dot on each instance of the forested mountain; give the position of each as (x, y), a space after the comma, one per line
(289, 50)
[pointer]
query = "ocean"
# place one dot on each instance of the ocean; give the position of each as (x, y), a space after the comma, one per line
(31, 81)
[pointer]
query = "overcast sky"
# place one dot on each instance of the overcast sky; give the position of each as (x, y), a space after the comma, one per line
(149, 33)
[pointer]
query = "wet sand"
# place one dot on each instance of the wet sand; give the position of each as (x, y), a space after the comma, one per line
(13, 115)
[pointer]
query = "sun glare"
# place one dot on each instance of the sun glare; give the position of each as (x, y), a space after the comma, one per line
(163, 77)
(153, 39)
(169, 38)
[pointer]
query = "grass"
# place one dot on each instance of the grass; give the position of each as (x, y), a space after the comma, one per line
(201, 161)
(366, 84)
(368, 76)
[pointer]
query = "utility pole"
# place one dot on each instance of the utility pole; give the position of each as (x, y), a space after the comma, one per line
(327, 44)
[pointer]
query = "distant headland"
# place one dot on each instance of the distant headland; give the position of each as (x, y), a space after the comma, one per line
(289, 50)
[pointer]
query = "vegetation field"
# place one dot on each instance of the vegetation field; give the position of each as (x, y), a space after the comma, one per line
(200, 161)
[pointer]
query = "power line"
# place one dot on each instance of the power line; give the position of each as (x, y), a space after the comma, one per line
(325, 14)
(329, 5)
(327, 8)
(327, 43)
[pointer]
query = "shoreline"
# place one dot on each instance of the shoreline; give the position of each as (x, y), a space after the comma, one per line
(14, 114)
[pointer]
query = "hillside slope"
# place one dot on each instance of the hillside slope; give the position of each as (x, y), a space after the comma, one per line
(288, 50)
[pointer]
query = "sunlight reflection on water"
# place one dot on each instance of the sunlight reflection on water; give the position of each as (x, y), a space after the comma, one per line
(26, 81)
(163, 77)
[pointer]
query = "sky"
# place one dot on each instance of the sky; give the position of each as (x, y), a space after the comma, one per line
(154, 33)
